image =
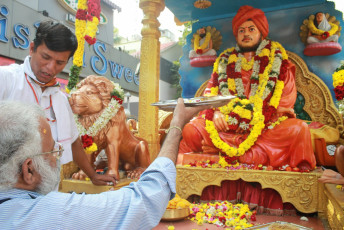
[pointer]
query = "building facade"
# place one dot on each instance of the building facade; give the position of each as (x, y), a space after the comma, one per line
(19, 20)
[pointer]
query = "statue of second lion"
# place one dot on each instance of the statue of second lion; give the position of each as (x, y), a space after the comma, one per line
(91, 98)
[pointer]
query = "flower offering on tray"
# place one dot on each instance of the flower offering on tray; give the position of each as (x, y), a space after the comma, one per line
(279, 225)
(177, 209)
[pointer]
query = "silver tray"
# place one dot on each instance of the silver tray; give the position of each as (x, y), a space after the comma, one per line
(267, 225)
(214, 101)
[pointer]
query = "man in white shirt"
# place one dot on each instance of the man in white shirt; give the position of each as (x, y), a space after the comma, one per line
(34, 82)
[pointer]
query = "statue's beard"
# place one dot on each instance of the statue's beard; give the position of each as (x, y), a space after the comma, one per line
(252, 48)
(202, 35)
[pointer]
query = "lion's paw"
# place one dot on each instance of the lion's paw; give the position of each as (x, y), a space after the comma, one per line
(136, 173)
(79, 175)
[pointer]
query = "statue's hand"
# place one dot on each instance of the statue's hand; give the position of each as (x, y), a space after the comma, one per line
(289, 112)
(220, 122)
(208, 149)
(99, 179)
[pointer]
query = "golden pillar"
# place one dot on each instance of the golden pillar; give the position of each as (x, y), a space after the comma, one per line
(150, 74)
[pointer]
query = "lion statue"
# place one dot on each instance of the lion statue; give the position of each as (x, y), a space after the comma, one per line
(89, 103)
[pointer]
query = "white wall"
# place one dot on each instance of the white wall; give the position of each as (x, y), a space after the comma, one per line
(166, 92)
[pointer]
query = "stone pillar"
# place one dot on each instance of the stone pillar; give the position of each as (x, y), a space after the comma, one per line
(150, 74)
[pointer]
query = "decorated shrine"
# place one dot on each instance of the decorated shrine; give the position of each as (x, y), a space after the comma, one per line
(265, 187)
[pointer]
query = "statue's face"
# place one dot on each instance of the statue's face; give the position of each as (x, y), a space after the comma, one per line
(249, 37)
(319, 17)
(201, 31)
(86, 100)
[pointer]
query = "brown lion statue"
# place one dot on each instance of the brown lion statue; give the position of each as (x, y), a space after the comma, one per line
(90, 102)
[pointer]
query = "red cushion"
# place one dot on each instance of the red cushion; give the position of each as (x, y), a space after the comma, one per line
(322, 49)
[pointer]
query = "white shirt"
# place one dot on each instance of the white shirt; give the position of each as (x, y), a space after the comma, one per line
(15, 86)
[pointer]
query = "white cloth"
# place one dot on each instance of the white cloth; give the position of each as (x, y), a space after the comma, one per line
(14, 86)
(324, 25)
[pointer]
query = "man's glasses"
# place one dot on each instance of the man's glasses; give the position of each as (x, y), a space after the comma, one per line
(57, 151)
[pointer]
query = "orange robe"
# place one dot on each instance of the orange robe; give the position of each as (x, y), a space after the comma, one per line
(287, 143)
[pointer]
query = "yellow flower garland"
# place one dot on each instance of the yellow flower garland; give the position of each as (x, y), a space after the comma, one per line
(80, 27)
(92, 27)
(338, 78)
(91, 149)
(257, 119)
(245, 65)
(205, 43)
(314, 30)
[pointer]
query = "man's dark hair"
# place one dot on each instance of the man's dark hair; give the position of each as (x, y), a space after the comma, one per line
(56, 36)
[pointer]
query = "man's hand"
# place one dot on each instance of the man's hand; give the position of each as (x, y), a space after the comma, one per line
(98, 179)
(220, 122)
(182, 114)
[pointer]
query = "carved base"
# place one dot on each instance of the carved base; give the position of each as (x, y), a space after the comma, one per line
(334, 210)
(80, 186)
(300, 189)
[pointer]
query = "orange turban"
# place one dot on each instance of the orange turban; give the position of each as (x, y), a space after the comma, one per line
(256, 15)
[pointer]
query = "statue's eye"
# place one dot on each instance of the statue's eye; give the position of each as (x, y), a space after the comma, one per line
(89, 92)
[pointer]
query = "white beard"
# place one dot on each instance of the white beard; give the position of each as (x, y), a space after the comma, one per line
(50, 176)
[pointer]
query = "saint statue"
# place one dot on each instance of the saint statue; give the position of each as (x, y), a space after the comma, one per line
(259, 126)
(205, 43)
(320, 33)
(320, 30)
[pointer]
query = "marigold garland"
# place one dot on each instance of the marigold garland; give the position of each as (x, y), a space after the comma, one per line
(338, 84)
(86, 22)
(93, 18)
(314, 30)
(205, 43)
(266, 89)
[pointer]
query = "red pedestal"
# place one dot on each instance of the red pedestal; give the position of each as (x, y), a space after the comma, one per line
(202, 61)
(322, 49)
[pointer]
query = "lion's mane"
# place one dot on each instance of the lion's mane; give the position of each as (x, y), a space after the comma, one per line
(105, 88)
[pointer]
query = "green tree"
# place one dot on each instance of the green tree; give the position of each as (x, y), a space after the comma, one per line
(116, 38)
(175, 77)
(187, 30)
(176, 64)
